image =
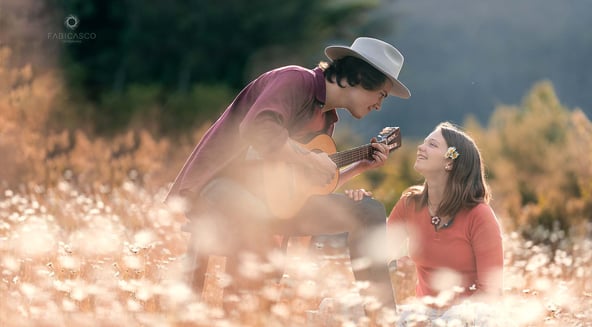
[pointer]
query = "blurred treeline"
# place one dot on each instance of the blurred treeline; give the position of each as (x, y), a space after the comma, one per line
(170, 65)
(538, 153)
(538, 158)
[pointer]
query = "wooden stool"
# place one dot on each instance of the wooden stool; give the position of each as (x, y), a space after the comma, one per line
(213, 290)
(332, 258)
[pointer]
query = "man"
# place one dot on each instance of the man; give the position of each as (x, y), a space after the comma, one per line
(226, 178)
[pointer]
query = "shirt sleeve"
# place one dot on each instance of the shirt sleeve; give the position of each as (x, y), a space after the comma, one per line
(279, 99)
(397, 230)
(488, 250)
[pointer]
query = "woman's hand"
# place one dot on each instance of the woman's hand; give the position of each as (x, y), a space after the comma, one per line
(357, 194)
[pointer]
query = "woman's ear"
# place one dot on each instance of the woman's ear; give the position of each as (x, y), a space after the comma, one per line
(448, 166)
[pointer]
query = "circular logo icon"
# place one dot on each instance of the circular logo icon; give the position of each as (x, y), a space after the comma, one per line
(71, 22)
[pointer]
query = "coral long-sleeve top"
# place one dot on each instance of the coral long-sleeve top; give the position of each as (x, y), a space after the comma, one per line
(468, 254)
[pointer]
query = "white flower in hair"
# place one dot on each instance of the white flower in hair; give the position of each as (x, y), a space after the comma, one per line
(451, 153)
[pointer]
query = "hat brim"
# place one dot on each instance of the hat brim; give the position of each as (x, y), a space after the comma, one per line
(337, 52)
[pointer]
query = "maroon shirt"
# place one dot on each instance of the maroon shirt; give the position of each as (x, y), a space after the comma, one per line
(280, 104)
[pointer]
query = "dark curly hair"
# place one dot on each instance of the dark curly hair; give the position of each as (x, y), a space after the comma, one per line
(354, 71)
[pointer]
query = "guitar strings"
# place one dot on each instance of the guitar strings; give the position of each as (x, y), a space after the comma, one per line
(352, 155)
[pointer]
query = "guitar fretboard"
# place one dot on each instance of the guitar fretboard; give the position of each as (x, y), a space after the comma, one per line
(350, 156)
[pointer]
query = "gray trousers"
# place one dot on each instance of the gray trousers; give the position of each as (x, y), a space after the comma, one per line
(230, 221)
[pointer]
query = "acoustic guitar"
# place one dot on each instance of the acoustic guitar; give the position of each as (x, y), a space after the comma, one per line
(287, 186)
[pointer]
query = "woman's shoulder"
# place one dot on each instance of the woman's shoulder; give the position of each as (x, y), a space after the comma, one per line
(478, 211)
(407, 202)
(482, 209)
(412, 192)
(481, 214)
(408, 198)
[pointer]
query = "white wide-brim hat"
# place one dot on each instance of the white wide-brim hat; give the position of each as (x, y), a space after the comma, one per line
(377, 53)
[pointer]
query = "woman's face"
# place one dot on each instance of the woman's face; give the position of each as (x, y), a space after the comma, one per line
(430, 154)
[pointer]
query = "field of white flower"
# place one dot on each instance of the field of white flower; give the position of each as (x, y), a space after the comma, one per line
(113, 257)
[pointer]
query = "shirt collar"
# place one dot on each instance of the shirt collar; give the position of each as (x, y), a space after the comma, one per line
(320, 87)
(321, 97)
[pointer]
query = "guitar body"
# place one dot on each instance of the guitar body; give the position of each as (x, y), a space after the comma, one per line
(287, 186)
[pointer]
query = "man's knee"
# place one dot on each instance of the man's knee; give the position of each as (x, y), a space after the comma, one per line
(372, 211)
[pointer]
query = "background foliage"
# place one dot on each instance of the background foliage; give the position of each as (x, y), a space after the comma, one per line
(181, 63)
(538, 157)
(472, 56)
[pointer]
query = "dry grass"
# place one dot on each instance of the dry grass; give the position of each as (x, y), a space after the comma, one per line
(113, 257)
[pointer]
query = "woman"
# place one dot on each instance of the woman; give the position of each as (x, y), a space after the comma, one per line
(453, 236)
(446, 226)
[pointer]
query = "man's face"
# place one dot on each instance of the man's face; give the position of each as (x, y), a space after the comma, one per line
(364, 101)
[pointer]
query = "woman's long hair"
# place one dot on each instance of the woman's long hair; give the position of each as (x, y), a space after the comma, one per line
(466, 185)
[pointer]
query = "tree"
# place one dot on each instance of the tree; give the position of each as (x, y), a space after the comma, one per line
(166, 48)
(539, 158)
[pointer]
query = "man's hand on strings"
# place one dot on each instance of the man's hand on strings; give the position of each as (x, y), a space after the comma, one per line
(379, 156)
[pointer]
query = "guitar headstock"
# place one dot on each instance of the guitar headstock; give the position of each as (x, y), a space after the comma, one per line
(390, 136)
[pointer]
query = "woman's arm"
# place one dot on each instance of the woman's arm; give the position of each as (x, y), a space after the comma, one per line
(488, 250)
(398, 239)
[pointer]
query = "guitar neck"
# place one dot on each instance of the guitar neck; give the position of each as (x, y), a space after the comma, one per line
(350, 156)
